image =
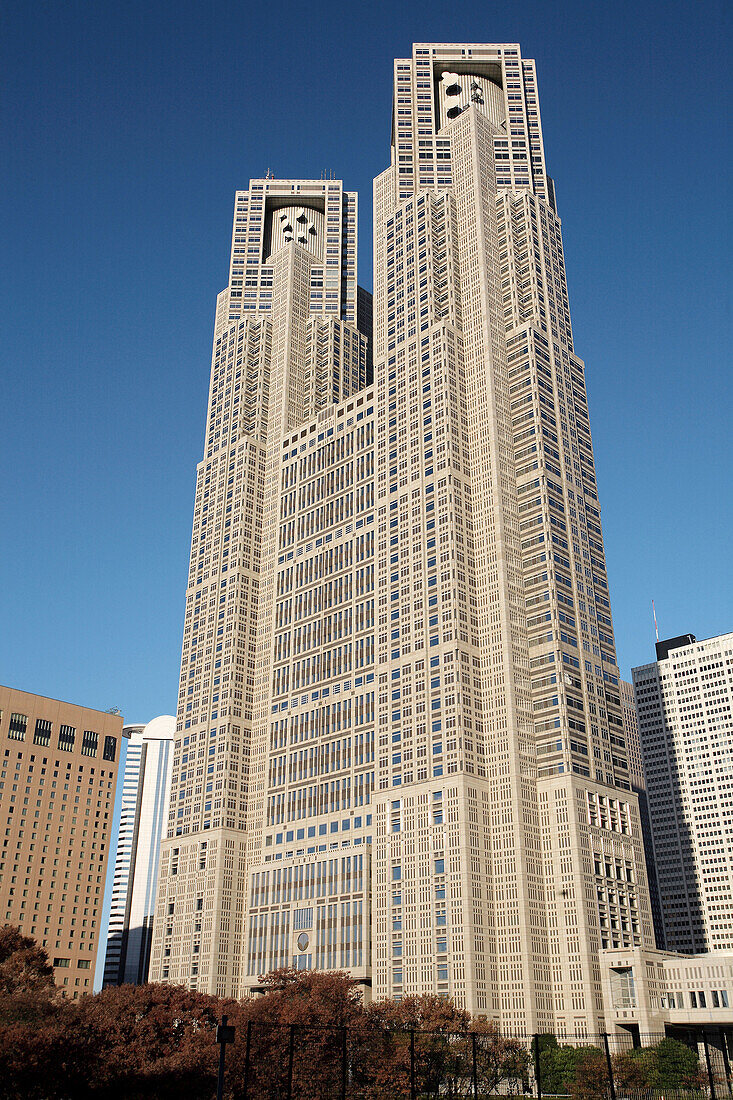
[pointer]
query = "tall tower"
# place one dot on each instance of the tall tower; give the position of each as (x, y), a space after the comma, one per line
(483, 418)
(439, 794)
(683, 701)
(286, 347)
(143, 819)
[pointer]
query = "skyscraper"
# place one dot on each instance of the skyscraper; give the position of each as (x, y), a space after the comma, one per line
(638, 785)
(683, 701)
(439, 794)
(58, 774)
(286, 347)
(143, 820)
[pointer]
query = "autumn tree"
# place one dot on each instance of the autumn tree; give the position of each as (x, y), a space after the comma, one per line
(445, 1039)
(148, 1042)
(303, 1012)
(26, 978)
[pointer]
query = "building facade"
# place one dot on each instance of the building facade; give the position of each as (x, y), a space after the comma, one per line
(683, 702)
(438, 794)
(638, 785)
(286, 347)
(650, 993)
(58, 774)
(143, 823)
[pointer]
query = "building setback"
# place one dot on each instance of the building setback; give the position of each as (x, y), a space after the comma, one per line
(683, 702)
(143, 820)
(400, 745)
(58, 773)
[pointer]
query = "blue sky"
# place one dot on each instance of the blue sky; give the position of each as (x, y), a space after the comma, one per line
(128, 128)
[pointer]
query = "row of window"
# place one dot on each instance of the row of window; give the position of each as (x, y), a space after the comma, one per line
(18, 727)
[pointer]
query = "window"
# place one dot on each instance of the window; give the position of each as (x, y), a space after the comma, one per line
(42, 736)
(89, 743)
(110, 747)
(61, 962)
(67, 736)
(17, 727)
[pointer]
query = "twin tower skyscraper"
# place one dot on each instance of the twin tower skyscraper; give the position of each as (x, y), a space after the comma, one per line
(399, 745)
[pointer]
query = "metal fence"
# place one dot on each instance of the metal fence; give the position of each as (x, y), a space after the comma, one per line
(307, 1062)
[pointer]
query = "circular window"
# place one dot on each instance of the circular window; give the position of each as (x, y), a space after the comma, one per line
(302, 941)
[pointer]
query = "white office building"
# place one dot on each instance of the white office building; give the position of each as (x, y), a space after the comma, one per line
(143, 817)
(683, 702)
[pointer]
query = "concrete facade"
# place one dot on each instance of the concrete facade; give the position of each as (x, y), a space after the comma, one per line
(650, 992)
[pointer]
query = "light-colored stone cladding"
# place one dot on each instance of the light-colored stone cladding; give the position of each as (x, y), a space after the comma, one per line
(285, 347)
(477, 775)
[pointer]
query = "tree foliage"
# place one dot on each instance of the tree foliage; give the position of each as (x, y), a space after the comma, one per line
(24, 966)
(582, 1071)
(158, 1042)
(670, 1064)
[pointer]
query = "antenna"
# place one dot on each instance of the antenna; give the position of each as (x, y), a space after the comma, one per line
(654, 613)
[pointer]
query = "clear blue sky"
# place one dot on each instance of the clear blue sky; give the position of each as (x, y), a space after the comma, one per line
(128, 128)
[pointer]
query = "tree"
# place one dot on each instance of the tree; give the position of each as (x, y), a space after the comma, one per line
(305, 1008)
(24, 966)
(147, 1042)
(151, 1041)
(27, 988)
(591, 1075)
(631, 1070)
(677, 1066)
(566, 1069)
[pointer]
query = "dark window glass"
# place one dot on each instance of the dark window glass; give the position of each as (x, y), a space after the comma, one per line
(42, 736)
(67, 736)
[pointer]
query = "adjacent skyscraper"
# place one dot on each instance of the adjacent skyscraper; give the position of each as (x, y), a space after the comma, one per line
(684, 703)
(286, 348)
(143, 820)
(58, 773)
(408, 576)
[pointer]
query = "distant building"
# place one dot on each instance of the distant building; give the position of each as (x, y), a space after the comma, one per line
(684, 702)
(58, 772)
(638, 784)
(143, 816)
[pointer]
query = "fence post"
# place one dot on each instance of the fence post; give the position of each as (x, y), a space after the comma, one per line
(709, 1064)
(344, 1063)
(474, 1067)
(247, 1051)
(224, 1035)
(609, 1063)
(726, 1059)
(413, 1088)
(291, 1055)
(537, 1070)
